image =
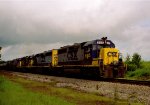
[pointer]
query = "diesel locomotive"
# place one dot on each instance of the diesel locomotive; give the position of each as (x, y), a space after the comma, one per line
(97, 57)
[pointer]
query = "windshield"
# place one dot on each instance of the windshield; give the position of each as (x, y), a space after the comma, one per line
(98, 47)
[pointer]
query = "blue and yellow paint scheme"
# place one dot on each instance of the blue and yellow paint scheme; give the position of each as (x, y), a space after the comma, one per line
(98, 55)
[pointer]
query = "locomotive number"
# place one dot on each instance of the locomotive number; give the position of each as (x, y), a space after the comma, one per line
(113, 54)
(87, 55)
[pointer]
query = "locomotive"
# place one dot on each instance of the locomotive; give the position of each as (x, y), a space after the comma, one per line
(97, 57)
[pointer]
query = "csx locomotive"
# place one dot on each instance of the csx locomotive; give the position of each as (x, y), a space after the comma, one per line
(97, 57)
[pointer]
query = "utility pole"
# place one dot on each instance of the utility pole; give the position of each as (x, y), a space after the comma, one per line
(0, 53)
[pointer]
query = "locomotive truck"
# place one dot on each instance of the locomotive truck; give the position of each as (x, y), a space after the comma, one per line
(97, 57)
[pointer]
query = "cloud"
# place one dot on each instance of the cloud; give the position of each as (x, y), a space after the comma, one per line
(48, 22)
(17, 51)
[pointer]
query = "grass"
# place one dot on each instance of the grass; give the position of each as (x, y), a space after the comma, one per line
(14, 94)
(140, 73)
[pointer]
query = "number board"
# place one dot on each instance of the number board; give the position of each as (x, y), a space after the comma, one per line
(100, 42)
(108, 43)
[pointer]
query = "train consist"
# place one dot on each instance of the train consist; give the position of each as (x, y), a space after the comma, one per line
(97, 57)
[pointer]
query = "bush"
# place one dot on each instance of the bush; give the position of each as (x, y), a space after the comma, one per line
(131, 67)
(136, 59)
(134, 63)
(139, 73)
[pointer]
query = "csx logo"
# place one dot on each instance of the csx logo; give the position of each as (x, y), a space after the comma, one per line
(112, 54)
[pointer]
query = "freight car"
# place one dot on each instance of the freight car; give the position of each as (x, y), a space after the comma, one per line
(97, 57)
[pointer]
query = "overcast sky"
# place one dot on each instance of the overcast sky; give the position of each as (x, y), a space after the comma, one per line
(33, 26)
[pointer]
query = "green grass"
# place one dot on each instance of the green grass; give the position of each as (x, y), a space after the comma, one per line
(140, 73)
(14, 94)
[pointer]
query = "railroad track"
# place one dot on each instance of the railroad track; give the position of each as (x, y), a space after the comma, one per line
(112, 80)
(127, 81)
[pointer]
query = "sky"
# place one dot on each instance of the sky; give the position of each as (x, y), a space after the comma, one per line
(32, 26)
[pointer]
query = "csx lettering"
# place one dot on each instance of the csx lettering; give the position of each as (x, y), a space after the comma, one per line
(72, 56)
(113, 54)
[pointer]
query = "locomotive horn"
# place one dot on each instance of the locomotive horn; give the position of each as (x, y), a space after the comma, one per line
(104, 40)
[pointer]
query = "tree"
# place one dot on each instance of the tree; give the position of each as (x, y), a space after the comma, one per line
(128, 59)
(134, 62)
(136, 59)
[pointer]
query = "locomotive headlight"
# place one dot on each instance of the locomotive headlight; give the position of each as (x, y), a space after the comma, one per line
(115, 62)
